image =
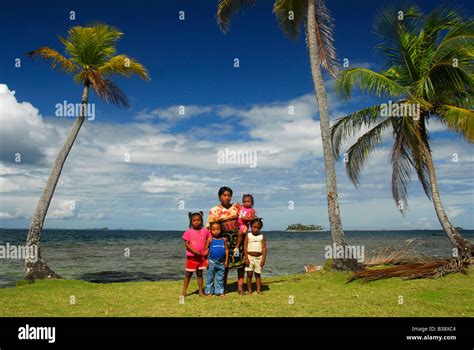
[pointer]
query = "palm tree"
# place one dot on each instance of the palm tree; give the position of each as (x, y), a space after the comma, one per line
(90, 56)
(429, 68)
(291, 16)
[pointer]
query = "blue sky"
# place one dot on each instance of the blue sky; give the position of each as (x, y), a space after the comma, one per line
(173, 156)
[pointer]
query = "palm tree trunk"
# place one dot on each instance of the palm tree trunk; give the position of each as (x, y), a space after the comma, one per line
(35, 266)
(321, 97)
(463, 246)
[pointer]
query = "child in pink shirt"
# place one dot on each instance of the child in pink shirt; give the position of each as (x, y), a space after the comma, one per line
(246, 215)
(195, 239)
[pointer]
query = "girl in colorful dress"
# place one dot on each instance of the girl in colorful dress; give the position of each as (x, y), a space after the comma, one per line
(227, 214)
(195, 239)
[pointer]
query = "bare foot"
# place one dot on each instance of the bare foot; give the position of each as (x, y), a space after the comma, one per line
(222, 295)
(201, 294)
(259, 292)
(249, 293)
(241, 292)
(208, 295)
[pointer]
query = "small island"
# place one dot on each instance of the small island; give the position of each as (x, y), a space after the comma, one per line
(301, 227)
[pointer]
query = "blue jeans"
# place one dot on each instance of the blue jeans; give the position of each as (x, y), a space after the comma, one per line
(215, 270)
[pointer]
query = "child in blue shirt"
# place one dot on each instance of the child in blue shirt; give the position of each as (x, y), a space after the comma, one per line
(217, 261)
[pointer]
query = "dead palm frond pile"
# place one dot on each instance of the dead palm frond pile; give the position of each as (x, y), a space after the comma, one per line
(391, 255)
(409, 264)
(431, 269)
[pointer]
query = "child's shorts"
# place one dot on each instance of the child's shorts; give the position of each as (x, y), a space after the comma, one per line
(194, 263)
(254, 264)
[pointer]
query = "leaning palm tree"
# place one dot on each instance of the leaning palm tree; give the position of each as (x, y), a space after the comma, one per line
(430, 73)
(90, 56)
(291, 16)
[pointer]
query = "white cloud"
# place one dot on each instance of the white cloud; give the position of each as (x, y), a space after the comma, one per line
(62, 210)
(15, 215)
(455, 212)
(23, 131)
(425, 223)
(182, 185)
(165, 167)
(312, 186)
(174, 113)
(7, 185)
(5, 170)
(91, 216)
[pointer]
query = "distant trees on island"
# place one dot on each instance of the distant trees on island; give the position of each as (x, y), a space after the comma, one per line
(302, 227)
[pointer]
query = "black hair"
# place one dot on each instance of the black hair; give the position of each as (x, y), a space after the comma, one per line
(224, 189)
(259, 220)
(193, 214)
(214, 222)
(246, 195)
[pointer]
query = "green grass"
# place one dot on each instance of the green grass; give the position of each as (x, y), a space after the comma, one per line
(319, 294)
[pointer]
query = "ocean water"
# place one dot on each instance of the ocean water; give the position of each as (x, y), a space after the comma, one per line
(100, 256)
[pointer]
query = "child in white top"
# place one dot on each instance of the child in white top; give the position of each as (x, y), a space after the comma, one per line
(255, 251)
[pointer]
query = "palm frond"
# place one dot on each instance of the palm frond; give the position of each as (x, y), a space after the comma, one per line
(446, 77)
(401, 168)
(58, 61)
(360, 151)
(123, 65)
(367, 81)
(407, 154)
(387, 23)
(351, 124)
(416, 136)
(227, 8)
(457, 44)
(408, 49)
(458, 119)
(441, 18)
(90, 47)
(290, 15)
(106, 89)
(464, 99)
(398, 36)
(325, 38)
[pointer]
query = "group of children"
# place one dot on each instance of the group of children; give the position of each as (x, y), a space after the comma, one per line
(206, 248)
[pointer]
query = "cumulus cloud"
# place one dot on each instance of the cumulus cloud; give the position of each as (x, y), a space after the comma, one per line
(132, 175)
(13, 215)
(62, 210)
(23, 131)
(182, 185)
